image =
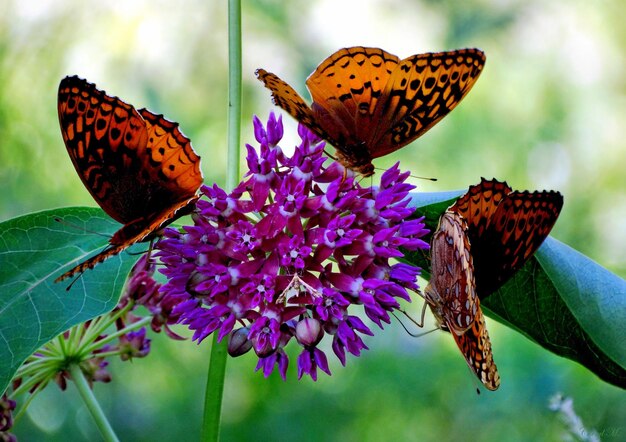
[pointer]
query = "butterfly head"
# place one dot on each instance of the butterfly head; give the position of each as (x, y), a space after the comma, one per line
(356, 158)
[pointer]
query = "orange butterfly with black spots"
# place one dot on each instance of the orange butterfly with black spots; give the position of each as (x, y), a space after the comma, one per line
(368, 103)
(482, 240)
(137, 165)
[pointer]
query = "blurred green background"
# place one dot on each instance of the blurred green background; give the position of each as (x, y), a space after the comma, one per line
(548, 112)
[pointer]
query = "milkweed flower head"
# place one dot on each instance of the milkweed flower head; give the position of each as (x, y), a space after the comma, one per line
(292, 254)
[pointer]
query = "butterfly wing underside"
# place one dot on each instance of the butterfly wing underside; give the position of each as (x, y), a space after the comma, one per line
(451, 288)
(452, 297)
(138, 166)
(476, 348)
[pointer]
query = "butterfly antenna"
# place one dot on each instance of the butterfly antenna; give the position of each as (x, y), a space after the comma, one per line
(79, 228)
(329, 155)
(412, 176)
(68, 288)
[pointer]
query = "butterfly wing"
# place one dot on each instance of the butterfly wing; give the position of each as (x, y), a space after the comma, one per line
(479, 204)
(476, 348)
(451, 294)
(520, 224)
(134, 232)
(132, 164)
(177, 170)
(138, 166)
(451, 291)
(422, 90)
(346, 88)
(289, 100)
(102, 135)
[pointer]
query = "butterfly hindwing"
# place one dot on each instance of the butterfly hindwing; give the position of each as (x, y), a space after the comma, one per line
(495, 230)
(475, 346)
(179, 165)
(451, 295)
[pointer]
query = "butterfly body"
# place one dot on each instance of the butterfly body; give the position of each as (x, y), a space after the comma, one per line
(368, 103)
(137, 165)
(481, 241)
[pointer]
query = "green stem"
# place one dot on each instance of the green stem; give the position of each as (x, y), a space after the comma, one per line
(217, 364)
(214, 390)
(234, 92)
(133, 326)
(92, 404)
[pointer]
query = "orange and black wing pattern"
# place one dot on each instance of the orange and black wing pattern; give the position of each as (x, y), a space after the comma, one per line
(505, 228)
(368, 103)
(138, 166)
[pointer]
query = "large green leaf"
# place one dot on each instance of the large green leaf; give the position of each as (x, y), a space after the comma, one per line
(34, 250)
(560, 299)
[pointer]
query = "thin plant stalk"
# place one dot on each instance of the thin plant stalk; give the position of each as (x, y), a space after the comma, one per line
(92, 404)
(217, 364)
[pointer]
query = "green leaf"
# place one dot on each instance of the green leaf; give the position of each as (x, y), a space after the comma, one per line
(34, 250)
(560, 299)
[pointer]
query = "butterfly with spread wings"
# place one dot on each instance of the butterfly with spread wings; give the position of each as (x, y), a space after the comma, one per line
(368, 103)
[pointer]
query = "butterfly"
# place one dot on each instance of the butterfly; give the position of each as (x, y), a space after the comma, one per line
(137, 165)
(368, 103)
(482, 240)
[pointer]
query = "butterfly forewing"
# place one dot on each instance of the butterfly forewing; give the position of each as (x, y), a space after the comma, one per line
(289, 100)
(422, 90)
(451, 289)
(505, 228)
(479, 204)
(138, 166)
(520, 224)
(346, 88)
(497, 230)
(100, 133)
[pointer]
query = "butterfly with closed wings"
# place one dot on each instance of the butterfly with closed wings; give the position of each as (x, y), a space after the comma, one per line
(137, 165)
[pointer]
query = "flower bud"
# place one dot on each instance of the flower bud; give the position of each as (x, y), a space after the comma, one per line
(309, 332)
(238, 342)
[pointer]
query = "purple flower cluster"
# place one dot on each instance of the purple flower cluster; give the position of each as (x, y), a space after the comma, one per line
(288, 252)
